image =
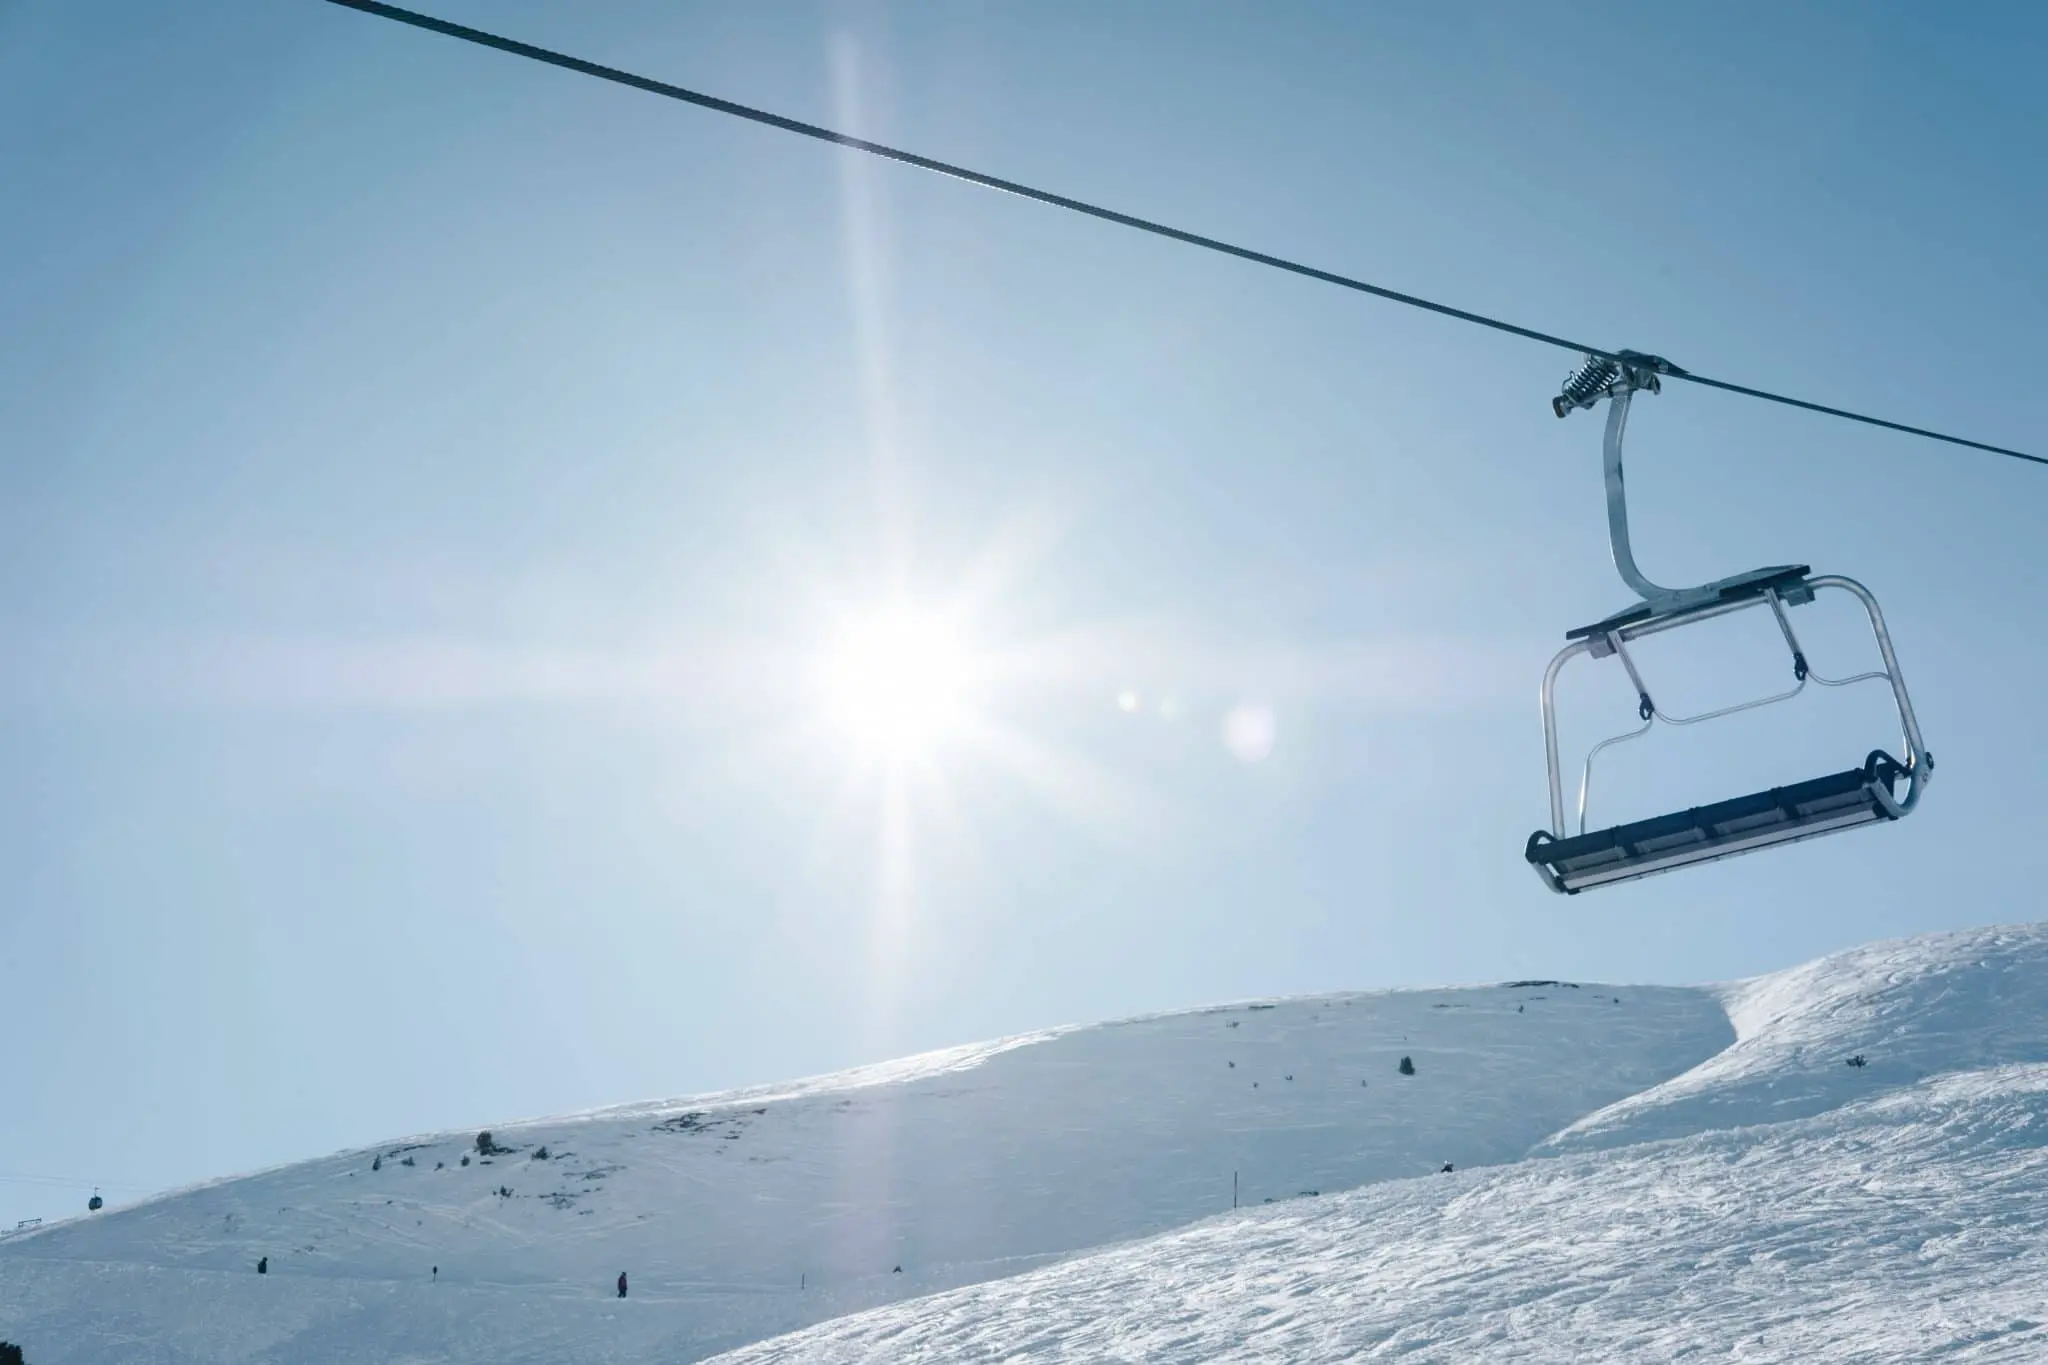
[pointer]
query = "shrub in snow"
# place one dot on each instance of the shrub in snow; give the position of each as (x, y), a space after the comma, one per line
(407, 1162)
(10, 1354)
(1857, 1060)
(465, 1161)
(540, 1153)
(1407, 1067)
(377, 1163)
(484, 1143)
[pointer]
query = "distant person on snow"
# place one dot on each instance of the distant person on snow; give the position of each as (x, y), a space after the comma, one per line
(622, 1284)
(263, 1266)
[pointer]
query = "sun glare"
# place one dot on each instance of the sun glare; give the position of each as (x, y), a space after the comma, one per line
(896, 683)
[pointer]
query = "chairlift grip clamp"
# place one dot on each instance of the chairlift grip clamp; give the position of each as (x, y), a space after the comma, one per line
(1602, 375)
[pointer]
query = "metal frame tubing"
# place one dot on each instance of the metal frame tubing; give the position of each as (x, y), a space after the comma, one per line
(1917, 761)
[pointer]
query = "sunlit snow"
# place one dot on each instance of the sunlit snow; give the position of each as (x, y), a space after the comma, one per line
(1641, 1173)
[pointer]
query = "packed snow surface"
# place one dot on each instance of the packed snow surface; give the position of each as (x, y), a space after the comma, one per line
(1641, 1173)
(1775, 1203)
(742, 1215)
(1906, 1227)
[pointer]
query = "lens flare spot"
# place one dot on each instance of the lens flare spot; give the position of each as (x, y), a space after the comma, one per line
(1249, 730)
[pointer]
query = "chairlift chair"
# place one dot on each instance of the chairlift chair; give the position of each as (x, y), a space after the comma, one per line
(1881, 788)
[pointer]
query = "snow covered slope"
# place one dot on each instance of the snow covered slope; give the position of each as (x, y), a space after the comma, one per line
(1906, 1227)
(1911, 1008)
(742, 1215)
(1642, 1174)
(1797, 1208)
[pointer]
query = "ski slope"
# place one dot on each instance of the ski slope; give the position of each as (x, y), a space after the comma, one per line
(1906, 1227)
(742, 1215)
(1772, 1204)
(1642, 1173)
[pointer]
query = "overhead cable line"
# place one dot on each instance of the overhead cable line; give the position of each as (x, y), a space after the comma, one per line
(973, 177)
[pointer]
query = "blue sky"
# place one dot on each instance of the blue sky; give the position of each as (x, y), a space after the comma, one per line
(432, 479)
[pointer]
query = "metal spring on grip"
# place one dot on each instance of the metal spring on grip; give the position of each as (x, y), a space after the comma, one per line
(1585, 384)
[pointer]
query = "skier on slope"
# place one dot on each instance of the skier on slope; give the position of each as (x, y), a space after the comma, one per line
(622, 1284)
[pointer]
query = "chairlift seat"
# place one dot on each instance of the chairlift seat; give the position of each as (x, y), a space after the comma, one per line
(1782, 815)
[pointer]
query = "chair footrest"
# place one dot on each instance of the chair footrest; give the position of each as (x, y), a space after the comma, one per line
(1804, 810)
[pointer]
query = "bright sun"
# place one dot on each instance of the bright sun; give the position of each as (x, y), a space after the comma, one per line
(896, 683)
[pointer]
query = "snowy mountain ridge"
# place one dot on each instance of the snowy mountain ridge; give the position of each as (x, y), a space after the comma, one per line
(1640, 1172)
(1899, 1228)
(1860, 1176)
(1909, 1008)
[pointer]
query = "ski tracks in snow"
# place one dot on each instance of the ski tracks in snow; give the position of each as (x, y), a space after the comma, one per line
(1898, 1228)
